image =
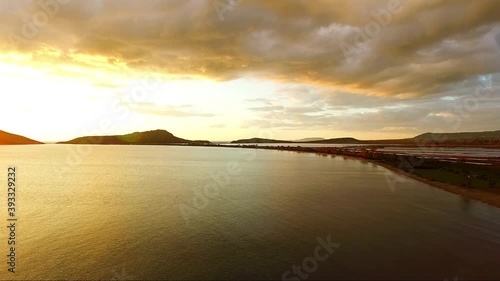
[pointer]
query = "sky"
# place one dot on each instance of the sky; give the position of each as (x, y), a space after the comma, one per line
(231, 69)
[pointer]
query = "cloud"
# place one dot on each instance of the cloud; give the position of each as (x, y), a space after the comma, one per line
(335, 111)
(398, 129)
(103, 84)
(184, 111)
(411, 70)
(267, 108)
(425, 48)
(217, 126)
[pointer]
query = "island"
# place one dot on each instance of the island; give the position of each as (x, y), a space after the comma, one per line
(155, 137)
(468, 139)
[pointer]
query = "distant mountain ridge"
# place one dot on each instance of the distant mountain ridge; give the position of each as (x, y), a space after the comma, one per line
(347, 140)
(465, 138)
(159, 137)
(155, 137)
(321, 141)
(261, 140)
(309, 139)
(8, 138)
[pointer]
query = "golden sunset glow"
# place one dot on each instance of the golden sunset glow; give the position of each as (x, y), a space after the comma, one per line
(250, 139)
(181, 66)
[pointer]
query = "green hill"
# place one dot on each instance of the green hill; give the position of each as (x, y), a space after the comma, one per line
(157, 137)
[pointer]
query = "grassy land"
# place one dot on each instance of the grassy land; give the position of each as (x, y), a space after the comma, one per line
(478, 182)
(454, 178)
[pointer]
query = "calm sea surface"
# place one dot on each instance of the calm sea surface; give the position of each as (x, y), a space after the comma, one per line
(162, 212)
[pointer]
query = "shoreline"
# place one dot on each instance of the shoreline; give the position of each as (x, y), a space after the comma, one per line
(491, 198)
(485, 197)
